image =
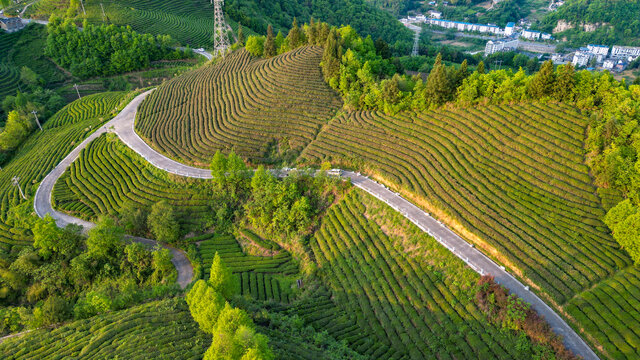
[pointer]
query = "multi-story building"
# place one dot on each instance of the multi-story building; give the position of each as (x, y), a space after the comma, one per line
(464, 26)
(625, 52)
(582, 57)
(510, 29)
(494, 46)
(531, 34)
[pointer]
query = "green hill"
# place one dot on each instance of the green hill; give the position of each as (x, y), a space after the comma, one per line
(163, 328)
(44, 150)
(265, 110)
(513, 180)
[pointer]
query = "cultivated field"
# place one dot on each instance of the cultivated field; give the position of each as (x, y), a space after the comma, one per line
(163, 328)
(261, 277)
(512, 179)
(266, 110)
(514, 176)
(107, 174)
(44, 150)
(410, 297)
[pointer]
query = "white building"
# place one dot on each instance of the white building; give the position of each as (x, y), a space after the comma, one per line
(434, 14)
(546, 36)
(582, 57)
(598, 49)
(531, 34)
(464, 26)
(494, 46)
(625, 52)
(509, 29)
(609, 64)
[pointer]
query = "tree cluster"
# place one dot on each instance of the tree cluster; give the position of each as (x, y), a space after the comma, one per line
(617, 21)
(20, 121)
(513, 314)
(106, 49)
(234, 334)
(67, 275)
(364, 17)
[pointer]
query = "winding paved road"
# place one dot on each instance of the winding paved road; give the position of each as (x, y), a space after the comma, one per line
(42, 201)
(123, 124)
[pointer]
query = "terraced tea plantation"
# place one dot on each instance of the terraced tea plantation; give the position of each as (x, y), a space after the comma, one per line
(610, 313)
(165, 328)
(256, 107)
(9, 74)
(44, 150)
(108, 173)
(514, 176)
(406, 306)
(190, 22)
(261, 277)
(512, 179)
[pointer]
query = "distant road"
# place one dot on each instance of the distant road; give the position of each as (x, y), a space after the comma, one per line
(123, 126)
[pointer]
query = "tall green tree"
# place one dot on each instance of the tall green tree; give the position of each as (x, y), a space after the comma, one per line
(293, 39)
(163, 223)
(105, 239)
(543, 83)
(221, 279)
(438, 87)
(240, 35)
(269, 43)
(205, 305)
(565, 82)
(332, 56)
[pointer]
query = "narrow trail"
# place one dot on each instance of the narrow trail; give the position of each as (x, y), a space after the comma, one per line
(123, 126)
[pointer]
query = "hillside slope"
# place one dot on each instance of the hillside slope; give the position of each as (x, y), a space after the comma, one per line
(42, 151)
(510, 178)
(255, 107)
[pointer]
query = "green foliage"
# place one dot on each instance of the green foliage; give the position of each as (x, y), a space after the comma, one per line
(162, 222)
(543, 84)
(15, 131)
(221, 279)
(205, 305)
(235, 338)
(616, 21)
(255, 45)
(49, 239)
(284, 207)
(105, 239)
(365, 18)
(133, 218)
(106, 50)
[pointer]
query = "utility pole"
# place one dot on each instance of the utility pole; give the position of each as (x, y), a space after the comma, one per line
(103, 14)
(78, 92)
(82, 3)
(499, 63)
(16, 182)
(220, 36)
(35, 113)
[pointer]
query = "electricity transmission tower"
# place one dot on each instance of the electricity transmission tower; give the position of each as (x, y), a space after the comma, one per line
(220, 36)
